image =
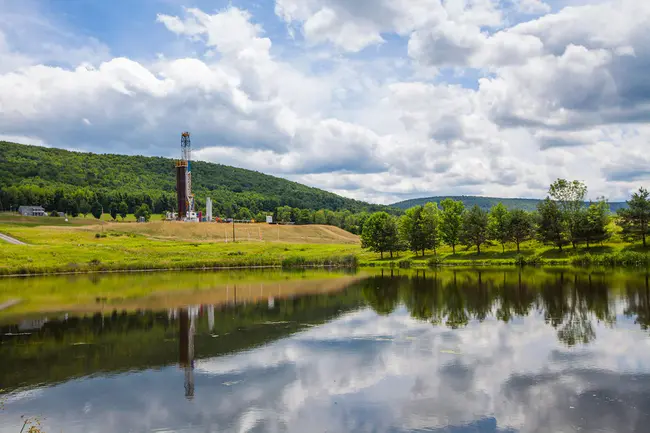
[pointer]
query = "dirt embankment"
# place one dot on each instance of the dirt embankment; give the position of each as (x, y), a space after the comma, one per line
(219, 232)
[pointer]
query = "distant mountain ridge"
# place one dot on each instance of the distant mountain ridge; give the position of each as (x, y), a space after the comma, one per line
(528, 204)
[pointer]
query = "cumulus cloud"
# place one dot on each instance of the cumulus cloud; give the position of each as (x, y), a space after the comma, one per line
(470, 96)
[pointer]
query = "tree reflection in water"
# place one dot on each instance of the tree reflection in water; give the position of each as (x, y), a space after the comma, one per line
(569, 301)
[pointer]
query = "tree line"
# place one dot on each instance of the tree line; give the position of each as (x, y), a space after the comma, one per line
(561, 219)
(243, 206)
(57, 179)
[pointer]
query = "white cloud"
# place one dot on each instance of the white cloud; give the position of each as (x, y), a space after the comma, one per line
(532, 6)
(526, 101)
(361, 372)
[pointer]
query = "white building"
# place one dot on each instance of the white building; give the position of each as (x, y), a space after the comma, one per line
(31, 211)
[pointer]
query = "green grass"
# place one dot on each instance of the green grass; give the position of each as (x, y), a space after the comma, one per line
(78, 248)
(55, 249)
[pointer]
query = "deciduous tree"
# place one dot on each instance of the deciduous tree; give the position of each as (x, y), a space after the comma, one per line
(551, 228)
(412, 230)
(499, 225)
(431, 222)
(475, 228)
(570, 197)
(143, 212)
(380, 234)
(451, 222)
(123, 209)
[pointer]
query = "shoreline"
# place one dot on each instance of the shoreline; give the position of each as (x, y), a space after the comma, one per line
(625, 260)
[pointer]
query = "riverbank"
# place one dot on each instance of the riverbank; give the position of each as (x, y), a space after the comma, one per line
(171, 246)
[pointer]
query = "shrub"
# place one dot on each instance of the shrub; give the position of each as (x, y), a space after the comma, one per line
(625, 258)
(405, 263)
(435, 261)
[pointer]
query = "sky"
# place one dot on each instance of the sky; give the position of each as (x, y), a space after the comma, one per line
(379, 100)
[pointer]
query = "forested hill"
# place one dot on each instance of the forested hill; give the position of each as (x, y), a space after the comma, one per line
(529, 204)
(34, 175)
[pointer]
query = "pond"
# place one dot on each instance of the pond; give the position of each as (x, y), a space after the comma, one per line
(386, 351)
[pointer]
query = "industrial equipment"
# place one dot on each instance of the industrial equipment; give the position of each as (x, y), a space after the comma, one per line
(184, 194)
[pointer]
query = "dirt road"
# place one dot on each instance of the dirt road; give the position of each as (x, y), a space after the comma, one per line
(11, 240)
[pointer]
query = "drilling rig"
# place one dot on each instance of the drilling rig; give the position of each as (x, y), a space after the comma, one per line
(184, 194)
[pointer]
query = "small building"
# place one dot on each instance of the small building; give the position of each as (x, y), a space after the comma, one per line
(31, 211)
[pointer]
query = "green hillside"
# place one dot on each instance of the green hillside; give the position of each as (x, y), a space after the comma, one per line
(529, 204)
(31, 175)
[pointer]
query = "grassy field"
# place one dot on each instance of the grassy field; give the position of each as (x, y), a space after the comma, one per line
(87, 245)
(77, 246)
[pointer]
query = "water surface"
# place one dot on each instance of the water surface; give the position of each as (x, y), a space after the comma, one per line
(452, 351)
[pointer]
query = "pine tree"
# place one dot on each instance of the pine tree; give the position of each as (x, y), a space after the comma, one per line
(635, 220)
(522, 227)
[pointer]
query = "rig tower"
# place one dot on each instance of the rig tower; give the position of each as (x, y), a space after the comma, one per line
(184, 179)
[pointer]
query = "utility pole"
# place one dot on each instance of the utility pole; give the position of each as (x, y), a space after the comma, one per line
(233, 230)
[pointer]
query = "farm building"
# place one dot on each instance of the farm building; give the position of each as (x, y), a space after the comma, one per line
(31, 211)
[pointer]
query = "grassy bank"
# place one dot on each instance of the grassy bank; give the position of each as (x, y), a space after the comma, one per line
(79, 247)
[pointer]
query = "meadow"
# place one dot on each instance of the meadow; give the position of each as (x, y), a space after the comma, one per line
(88, 245)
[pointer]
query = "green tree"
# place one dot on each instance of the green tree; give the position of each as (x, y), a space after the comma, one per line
(97, 210)
(594, 221)
(380, 234)
(73, 209)
(499, 225)
(635, 220)
(411, 229)
(451, 222)
(244, 214)
(522, 226)
(319, 217)
(475, 228)
(143, 212)
(571, 200)
(123, 209)
(114, 211)
(551, 228)
(431, 223)
(283, 214)
(304, 216)
(84, 207)
(260, 217)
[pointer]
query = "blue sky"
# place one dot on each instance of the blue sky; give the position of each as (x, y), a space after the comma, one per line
(379, 100)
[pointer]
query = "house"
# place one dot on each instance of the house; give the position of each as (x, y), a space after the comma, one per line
(31, 211)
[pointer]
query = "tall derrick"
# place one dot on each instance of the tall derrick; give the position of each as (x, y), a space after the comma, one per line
(184, 179)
